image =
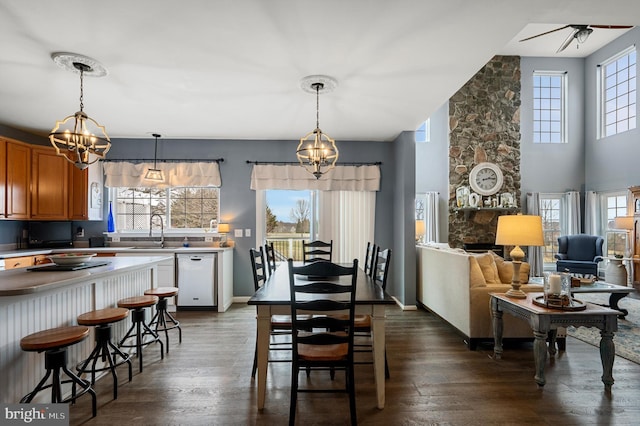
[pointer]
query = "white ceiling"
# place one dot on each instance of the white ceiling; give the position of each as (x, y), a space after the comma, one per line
(230, 69)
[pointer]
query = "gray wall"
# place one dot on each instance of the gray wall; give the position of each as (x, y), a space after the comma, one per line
(611, 163)
(552, 167)
(432, 159)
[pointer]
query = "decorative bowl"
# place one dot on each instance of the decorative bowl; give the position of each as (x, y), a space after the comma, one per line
(71, 258)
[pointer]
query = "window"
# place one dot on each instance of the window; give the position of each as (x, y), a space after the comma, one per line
(549, 107)
(550, 211)
(614, 204)
(618, 93)
(180, 207)
(423, 133)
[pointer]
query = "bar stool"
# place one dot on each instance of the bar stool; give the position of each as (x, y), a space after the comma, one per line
(105, 350)
(53, 342)
(163, 320)
(139, 327)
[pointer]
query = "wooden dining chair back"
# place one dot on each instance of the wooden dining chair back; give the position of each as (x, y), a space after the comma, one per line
(270, 257)
(259, 267)
(381, 267)
(317, 250)
(331, 301)
(280, 324)
(370, 258)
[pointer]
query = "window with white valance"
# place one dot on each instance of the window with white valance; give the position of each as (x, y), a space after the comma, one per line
(290, 176)
(177, 174)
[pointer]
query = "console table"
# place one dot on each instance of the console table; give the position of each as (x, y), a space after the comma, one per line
(545, 321)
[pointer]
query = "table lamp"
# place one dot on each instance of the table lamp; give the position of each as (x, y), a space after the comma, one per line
(420, 230)
(626, 223)
(518, 230)
(223, 229)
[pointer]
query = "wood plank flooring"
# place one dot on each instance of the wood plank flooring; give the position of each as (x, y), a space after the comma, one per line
(435, 380)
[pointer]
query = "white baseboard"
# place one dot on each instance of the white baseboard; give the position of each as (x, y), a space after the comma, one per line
(404, 307)
(241, 299)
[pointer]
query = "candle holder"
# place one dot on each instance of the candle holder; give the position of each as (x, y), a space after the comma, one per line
(557, 289)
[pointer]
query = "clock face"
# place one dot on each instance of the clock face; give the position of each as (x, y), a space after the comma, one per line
(486, 178)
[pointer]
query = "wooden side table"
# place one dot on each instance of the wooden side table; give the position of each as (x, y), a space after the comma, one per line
(545, 321)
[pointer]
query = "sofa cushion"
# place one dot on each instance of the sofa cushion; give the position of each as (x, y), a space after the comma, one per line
(488, 267)
(505, 270)
(476, 279)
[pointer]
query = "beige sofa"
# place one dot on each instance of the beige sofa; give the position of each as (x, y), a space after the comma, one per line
(455, 285)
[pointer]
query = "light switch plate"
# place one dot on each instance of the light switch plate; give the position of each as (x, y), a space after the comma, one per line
(238, 233)
(115, 239)
(208, 239)
(247, 232)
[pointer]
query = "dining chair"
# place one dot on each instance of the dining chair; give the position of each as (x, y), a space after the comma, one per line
(380, 273)
(280, 324)
(321, 349)
(317, 250)
(369, 258)
(270, 255)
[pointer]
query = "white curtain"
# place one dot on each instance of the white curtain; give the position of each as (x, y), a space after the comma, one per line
(432, 222)
(292, 176)
(348, 218)
(126, 174)
(591, 213)
(571, 217)
(535, 258)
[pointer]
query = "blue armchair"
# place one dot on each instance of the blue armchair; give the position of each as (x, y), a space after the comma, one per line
(579, 254)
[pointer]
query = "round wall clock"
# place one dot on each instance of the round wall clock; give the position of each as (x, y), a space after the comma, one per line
(486, 178)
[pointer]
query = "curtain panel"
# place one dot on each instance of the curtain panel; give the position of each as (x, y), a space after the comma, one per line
(126, 174)
(536, 257)
(294, 177)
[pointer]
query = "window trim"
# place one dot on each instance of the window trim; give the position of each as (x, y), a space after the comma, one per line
(600, 88)
(564, 94)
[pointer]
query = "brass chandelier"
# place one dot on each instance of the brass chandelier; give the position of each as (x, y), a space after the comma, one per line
(79, 138)
(317, 151)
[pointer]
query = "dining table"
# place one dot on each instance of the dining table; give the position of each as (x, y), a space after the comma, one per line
(274, 298)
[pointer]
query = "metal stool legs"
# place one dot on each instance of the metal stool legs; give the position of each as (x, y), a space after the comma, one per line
(54, 361)
(106, 351)
(164, 321)
(139, 329)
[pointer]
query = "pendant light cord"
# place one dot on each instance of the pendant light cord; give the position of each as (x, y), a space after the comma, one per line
(81, 89)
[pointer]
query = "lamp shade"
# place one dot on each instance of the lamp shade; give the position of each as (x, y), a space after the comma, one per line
(623, 222)
(420, 228)
(223, 228)
(519, 230)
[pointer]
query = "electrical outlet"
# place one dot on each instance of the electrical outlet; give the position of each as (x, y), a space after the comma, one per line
(247, 232)
(115, 239)
(238, 233)
(208, 239)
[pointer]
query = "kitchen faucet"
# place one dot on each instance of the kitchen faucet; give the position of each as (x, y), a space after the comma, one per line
(161, 228)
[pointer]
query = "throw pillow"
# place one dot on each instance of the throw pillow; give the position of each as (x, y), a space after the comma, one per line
(505, 269)
(488, 267)
(476, 279)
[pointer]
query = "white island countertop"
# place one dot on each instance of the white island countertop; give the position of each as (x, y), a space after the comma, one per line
(21, 281)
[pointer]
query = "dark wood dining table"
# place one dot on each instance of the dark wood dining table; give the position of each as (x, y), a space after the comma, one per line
(274, 297)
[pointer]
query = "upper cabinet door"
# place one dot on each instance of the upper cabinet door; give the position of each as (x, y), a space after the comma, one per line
(3, 178)
(18, 199)
(50, 185)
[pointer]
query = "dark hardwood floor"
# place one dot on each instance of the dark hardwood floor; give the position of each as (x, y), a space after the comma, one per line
(206, 380)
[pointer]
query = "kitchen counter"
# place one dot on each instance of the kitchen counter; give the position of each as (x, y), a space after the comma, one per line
(22, 281)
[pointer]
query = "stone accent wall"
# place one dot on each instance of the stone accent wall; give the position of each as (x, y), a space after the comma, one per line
(484, 125)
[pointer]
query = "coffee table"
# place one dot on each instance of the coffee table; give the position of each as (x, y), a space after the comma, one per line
(617, 293)
(545, 322)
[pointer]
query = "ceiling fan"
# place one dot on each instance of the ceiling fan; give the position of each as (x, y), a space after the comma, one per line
(579, 32)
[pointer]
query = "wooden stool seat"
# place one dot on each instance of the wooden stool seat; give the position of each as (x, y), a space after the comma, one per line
(137, 302)
(54, 338)
(53, 342)
(162, 291)
(163, 320)
(105, 351)
(103, 316)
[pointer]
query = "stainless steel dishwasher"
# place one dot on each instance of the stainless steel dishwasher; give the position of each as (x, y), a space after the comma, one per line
(197, 280)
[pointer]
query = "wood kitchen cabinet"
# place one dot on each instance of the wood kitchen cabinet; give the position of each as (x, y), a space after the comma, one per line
(18, 180)
(3, 176)
(78, 193)
(49, 185)
(635, 240)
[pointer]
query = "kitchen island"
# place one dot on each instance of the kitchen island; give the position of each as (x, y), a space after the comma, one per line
(31, 301)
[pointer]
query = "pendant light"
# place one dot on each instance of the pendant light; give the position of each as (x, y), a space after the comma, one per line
(155, 174)
(79, 138)
(317, 152)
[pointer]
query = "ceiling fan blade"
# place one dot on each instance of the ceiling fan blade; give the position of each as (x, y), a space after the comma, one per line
(568, 40)
(545, 33)
(612, 27)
